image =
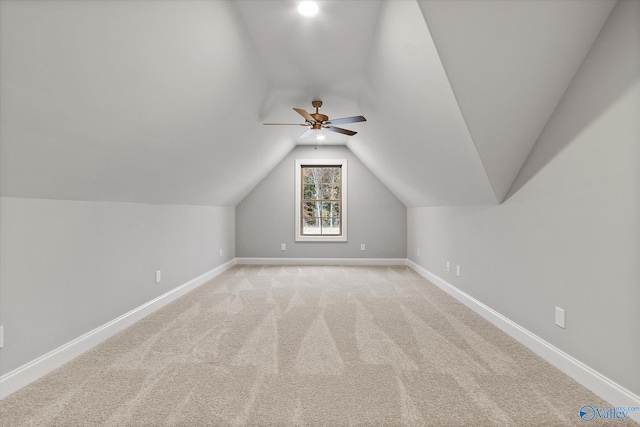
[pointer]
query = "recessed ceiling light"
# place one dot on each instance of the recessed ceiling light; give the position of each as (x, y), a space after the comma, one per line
(308, 8)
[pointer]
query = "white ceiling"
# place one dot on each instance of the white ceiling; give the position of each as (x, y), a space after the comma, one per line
(162, 101)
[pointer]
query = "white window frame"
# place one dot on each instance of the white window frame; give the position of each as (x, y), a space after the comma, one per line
(342, 163)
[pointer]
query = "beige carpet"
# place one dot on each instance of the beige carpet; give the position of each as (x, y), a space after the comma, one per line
(316, 346)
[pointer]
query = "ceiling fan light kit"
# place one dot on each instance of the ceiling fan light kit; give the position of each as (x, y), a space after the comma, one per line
(318, 121)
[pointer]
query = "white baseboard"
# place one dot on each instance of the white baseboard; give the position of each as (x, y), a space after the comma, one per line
(321, 261)
(607, 389)
(26, 374)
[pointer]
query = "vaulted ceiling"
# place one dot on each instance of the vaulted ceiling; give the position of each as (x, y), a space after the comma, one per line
(163, 101)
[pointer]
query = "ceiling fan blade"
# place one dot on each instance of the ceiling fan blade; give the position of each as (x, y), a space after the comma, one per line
(304, 114)
(307, 133)
(340, 130)
(344, 120)
(285, 124)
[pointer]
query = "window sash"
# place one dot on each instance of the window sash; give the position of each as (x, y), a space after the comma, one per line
(319, 219)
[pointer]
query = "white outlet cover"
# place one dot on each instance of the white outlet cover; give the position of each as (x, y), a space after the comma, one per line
(458, 271)
(560, 317)
(1, 336)
(418, 251)
(283, 247)
(448, 266)
(362, 247)
(158, 276)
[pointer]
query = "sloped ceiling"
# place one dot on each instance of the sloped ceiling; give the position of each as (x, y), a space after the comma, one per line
(162, 101)
(134, 101)
(509, 63)
(416, 139)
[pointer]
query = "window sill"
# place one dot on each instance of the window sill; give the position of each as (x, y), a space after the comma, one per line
(321, 238)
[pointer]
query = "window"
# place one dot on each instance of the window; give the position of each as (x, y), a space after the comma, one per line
(321, 199)
(321, 194)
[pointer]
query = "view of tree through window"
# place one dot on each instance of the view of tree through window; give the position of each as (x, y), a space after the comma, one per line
(321, 200)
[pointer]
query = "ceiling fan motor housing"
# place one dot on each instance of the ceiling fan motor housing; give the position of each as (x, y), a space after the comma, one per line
(319, 117)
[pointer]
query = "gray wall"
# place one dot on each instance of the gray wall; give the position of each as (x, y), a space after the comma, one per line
(67, 267)
(265, 218)
(569, 234)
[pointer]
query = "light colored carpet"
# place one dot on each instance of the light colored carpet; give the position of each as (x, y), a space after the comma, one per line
(316, 346)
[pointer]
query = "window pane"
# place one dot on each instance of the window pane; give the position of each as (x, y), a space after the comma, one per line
(330, 210)
(331, 226)
(330, 192)
(330, 175)
(307, 175)
(310, 209)
(311, 225)
(310, 191)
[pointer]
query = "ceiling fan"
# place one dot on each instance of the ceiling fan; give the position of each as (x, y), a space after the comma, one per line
(317, 121)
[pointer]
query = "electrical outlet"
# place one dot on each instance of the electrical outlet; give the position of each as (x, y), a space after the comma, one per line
(448, 266)
(362, 247)
(220, 252)
(560, 313)
(1, 336)
(418, 251)
(158, 276)
(458, 271)
(283, 247)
